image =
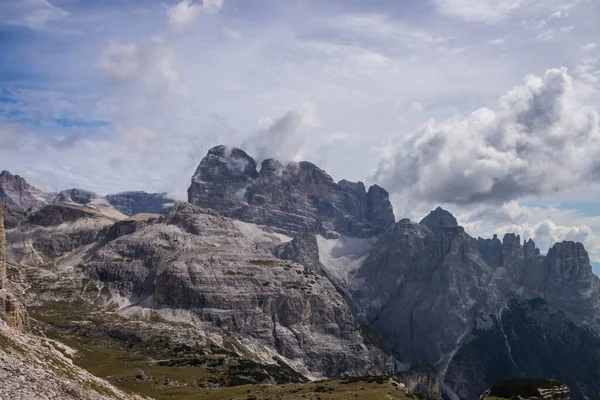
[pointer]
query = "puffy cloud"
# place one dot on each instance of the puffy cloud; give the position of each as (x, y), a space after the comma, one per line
(542, 138)
(186, 12)
(285, 137)
(589, 46)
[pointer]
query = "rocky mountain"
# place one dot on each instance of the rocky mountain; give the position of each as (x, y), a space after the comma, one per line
(17, 193)
(421, 276)
(194, 266)
(292, 198)
(20, 196)
(139, 202)
(283, 274)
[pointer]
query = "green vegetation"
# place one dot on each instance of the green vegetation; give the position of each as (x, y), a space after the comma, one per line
(354, 388)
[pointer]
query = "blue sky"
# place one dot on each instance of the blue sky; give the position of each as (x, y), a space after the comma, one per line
(488, 107)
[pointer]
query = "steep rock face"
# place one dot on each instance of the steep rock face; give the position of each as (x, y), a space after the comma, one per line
(17, 193)
(196, 261)
(417, 279)
(422, 380)
(529, 338)
(304, 250)
(294, 198)
(429, 289)
(563, 277)
(12, 311)
(139, 202)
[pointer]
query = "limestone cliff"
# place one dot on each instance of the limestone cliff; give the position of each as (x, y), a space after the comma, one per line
(293, 198)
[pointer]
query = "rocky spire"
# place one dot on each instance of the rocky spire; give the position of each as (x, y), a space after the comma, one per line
(2, 249)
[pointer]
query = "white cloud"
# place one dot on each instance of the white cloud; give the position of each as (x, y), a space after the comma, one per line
(559, 14)
(490, 11)
(127, 62)
(34, 14)
(285, 137)
(496, 42)
(542, 138)
(545, 36)
(589, 46)
(186, 12)
(566, 29)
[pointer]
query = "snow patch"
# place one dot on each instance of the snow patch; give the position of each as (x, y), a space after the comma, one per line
(261, 235)
(343, 255)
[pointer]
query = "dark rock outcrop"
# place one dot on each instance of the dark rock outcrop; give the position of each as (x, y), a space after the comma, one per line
(534, 389)
(56, 214)
(438, 296)
(139, 202)
(293, 198)
(527, 339)
(439, 218)
(416, 279)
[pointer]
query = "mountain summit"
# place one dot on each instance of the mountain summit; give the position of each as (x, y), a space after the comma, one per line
(290, 197)
(439, 218)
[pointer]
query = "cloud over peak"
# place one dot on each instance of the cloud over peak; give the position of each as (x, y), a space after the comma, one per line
(187, 12)
(542, 138)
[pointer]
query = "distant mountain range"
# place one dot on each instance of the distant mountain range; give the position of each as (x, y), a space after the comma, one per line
(286, 267)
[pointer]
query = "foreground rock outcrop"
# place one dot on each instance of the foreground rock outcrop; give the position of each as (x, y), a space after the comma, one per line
(534, 389)
(293, 198)
(12, 310)
(37, 368)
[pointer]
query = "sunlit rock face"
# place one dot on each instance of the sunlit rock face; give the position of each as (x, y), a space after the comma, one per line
(17, 193)
(293, 198)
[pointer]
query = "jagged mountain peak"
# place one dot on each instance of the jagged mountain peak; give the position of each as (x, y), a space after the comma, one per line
(293, 198)
(440, 218)
(16, 192)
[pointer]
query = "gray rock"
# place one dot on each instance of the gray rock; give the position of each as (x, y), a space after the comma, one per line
(139, 202)
(17, 193)
(430, 291)
(293, 198)
(304, 250)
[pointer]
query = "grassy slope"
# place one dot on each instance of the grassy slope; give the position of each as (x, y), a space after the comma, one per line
(156, 369)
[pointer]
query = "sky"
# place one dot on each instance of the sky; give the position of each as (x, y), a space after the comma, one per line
(488, 108)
